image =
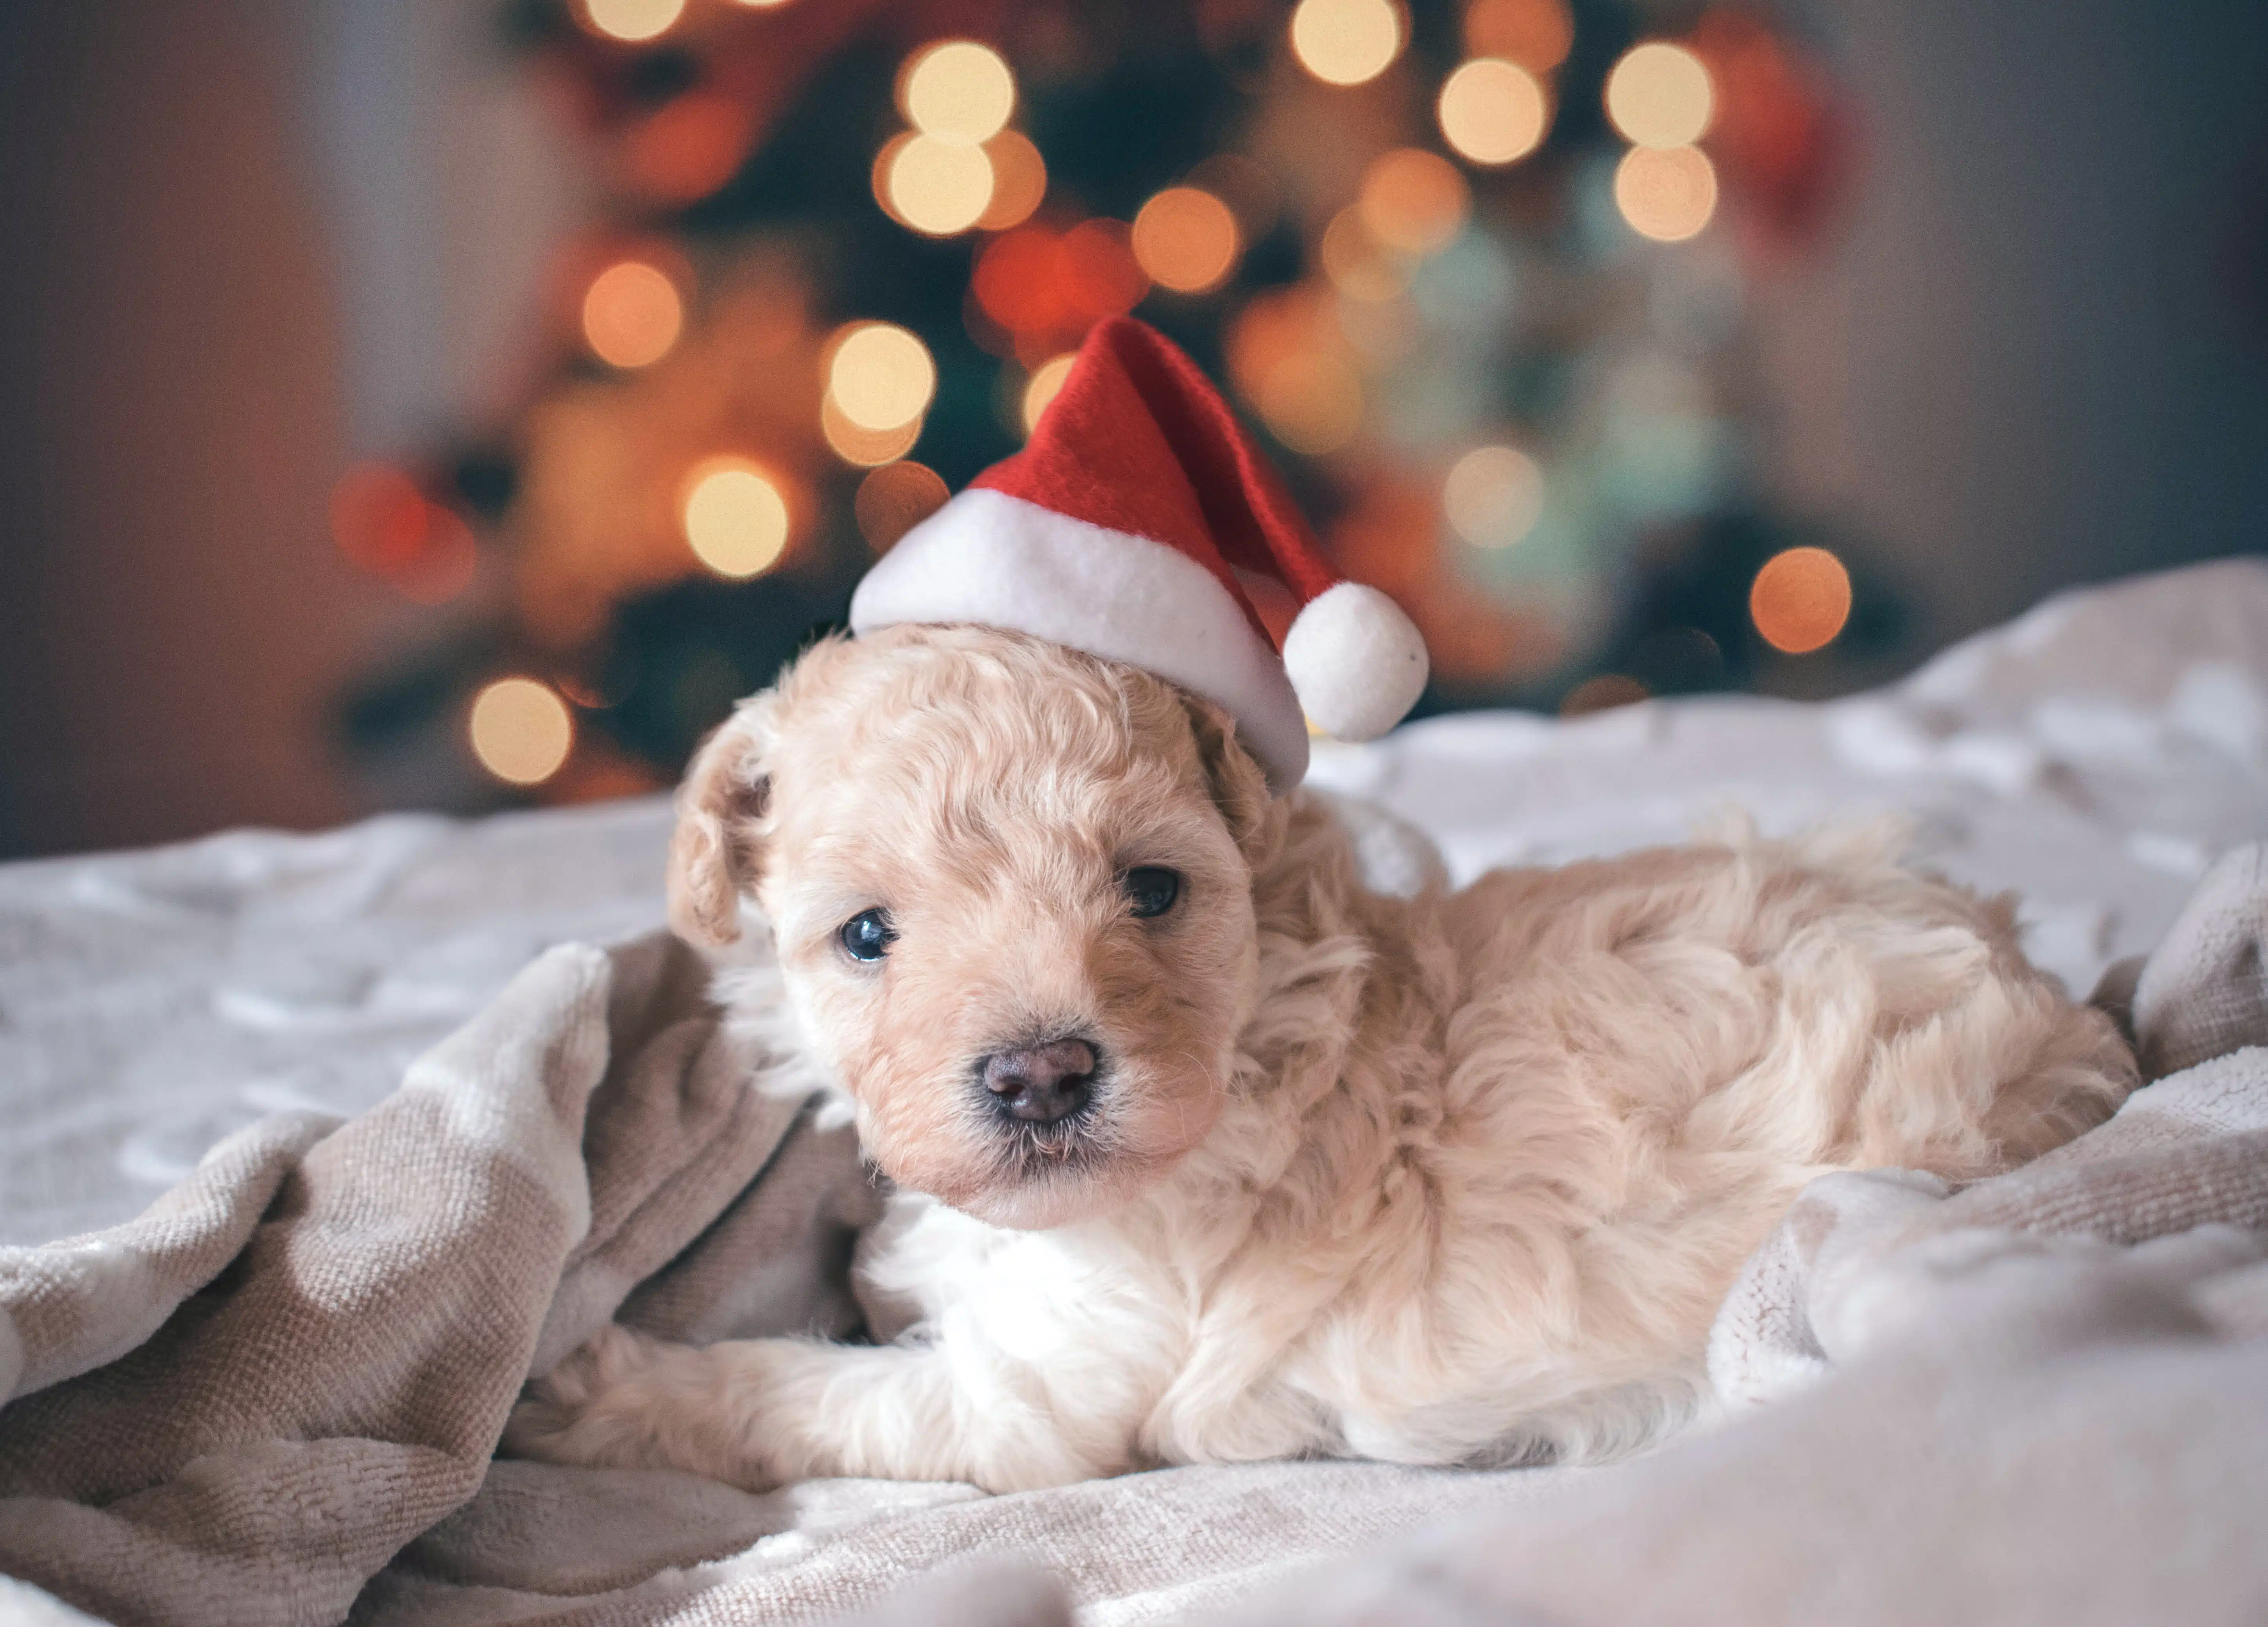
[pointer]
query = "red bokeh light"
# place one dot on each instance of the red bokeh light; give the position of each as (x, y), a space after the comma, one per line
(1776, 136)
(378, 516)
(386, 525)
(1046, 288)
(689, 148)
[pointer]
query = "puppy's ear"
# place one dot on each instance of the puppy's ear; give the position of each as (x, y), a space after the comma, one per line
(712, 856)
(1239, 787)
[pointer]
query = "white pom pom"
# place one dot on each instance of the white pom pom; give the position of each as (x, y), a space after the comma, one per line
(1355, 662)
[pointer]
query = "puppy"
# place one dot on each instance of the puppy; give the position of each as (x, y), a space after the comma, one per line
(1205, 1154)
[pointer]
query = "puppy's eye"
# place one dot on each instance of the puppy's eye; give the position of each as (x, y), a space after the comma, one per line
(1151, 889)
(867, 936)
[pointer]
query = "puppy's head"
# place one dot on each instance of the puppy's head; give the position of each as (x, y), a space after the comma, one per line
(1010, 892)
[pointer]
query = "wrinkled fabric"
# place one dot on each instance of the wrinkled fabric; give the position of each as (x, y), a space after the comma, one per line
(271, 1396)
(236, 1408)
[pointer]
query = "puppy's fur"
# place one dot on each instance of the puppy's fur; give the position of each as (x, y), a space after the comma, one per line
(1446, 1179)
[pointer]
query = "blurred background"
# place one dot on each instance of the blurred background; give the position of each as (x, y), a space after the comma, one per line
(457, 403)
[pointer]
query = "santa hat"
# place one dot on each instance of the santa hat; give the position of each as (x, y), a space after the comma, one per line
(1119, 530)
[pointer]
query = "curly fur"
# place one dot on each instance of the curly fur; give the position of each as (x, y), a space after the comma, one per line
(1445, 1179)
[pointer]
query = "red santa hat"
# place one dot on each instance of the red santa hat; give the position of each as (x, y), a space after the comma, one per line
(1119, 530)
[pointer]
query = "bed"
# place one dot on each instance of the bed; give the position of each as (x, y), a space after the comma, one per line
(2096, 755)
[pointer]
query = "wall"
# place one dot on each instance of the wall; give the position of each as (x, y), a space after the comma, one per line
(2038, 350)
(170, 616)
(247, 241)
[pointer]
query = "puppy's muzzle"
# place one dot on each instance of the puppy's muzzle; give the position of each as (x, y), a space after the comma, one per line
(1042, 1084)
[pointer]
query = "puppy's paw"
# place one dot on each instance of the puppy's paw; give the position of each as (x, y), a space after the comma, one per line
(591, 1410)
(626, 1400)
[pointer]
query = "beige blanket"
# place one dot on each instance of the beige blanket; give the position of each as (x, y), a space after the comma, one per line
(272, 1398)
(238, 1408)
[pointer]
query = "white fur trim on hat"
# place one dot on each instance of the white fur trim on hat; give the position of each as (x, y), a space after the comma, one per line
(1355, 661)
(997, 560)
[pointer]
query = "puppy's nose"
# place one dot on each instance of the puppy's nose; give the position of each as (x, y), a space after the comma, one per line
(1042, 1084)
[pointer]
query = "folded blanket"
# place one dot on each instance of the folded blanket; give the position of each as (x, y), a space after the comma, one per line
(272, 1398)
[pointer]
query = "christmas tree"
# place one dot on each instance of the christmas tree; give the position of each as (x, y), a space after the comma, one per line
(1478, 273)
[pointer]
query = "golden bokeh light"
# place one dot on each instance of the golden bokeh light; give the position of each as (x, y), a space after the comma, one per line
(1492, 111)
(1312, 401)
(879, 375)
(1659, 95)
(632, 314)
(895, 498)
(1534, 33)
(735, 518)
(1413, 201)
(633, 21)
(868, 448)
(937, 187)
(1357, 266)
(1493, 496)
(520, 730)
(1046, 380)
(1800, 599)
(1346, 42)
(1666, 193)
(959, 92)
(1019, 181)
(1185, 239)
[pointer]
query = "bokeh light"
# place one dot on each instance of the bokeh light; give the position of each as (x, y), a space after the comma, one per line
(958, 91)
(1800, 599)
(1046, 381)
(1019, 181)
(632, 314)
(446, 566)
(865, 448)
(1018, 279)
(1492, 111)
(685, 148)
(895, 498)
(1414, 201)
(1659, 95)
(520, 730)
(879, 375)
(1311, 401)
(1102, 277)
(1493, 496)
(1356, 264)
(736, 519)
(377, 517)
(935, 185)
(1185, 239)
(1666, 193)
(1346, 42)
(633, 21)
(1534, 33)
(383, 521)
(1046, 290)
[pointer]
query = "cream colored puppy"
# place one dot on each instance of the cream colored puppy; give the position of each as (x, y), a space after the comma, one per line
(1205, 1152)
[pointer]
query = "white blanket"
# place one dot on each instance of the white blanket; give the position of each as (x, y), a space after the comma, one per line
(2095, 755)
